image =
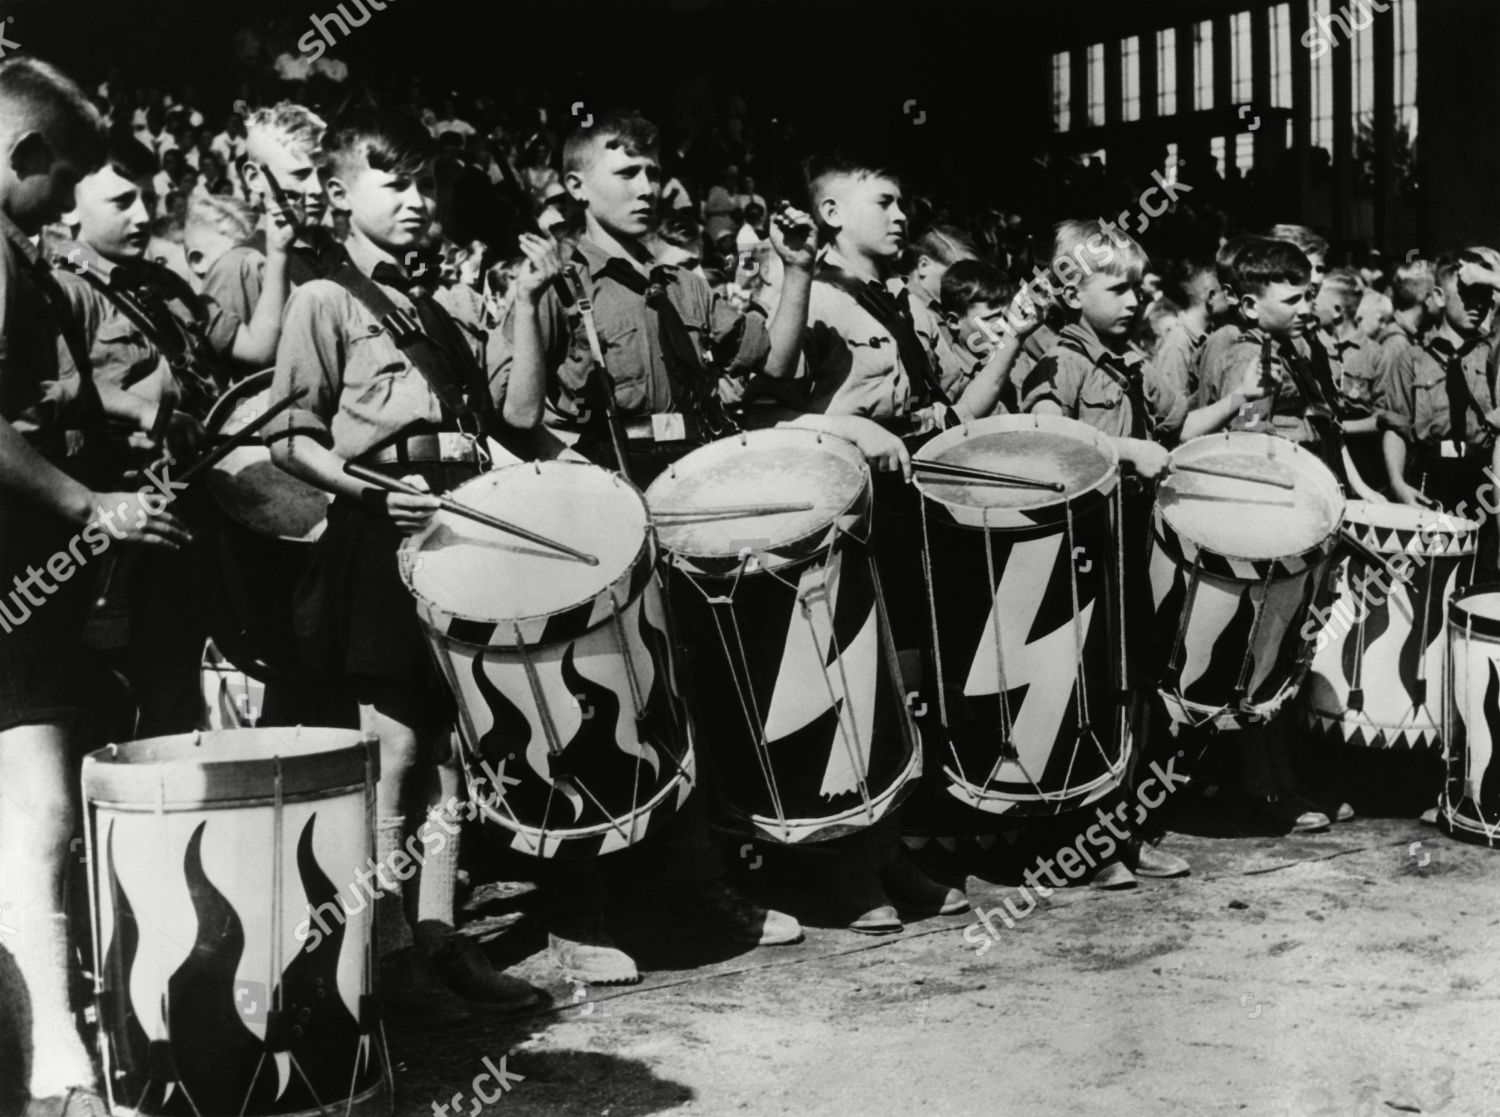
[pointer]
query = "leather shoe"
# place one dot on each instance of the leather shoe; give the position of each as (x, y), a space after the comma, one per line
(410, 990)
(587, 955)
(468, 971)
(1289, 816)
(1113, 876)
(1149, 861)
(881, 920)
(721, 907)
(918, 895)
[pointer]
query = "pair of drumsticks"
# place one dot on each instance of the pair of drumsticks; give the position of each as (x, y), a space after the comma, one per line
(962, 474)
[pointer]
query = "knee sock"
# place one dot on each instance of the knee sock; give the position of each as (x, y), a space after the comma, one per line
(392, 931)
(59, 1060)
(435, 893)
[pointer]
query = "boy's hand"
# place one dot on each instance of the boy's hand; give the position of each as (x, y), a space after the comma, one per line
(731, 391)
(129, 517)
(882, 449)
(411, 513)
(792, 237)
(1149, 458)
(281, 227)
(1406, 494)
(540, 268)
(1252, 388)
(1026, 311)
(1477, 275)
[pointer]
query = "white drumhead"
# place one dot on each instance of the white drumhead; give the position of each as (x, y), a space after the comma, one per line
(469, 570)
(1040, 447)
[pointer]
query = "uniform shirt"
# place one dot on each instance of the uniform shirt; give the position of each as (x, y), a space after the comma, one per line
(1087, 381)
(1176, 357)
(362, 389)
(851, 362)
(1228, 357)
(1393, 346)
(1355, 364)
(232, 285)
(41, 389)
(1416, 392)
(629, 336)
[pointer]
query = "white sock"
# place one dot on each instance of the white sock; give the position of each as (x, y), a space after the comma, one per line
(392, 931)
(435, 892)
(59, 1061)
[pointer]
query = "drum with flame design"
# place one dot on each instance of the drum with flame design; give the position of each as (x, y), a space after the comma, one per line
(574, 737)
(1469, 808)
(211, 854)
(795, 678)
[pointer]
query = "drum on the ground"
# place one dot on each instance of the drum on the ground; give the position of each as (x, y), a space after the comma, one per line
(1241, 530)
(1377, 672)
(259, 543)
(574, 735)
(1023, 588)
(234, 975)
(1469, 808)
(795, 684)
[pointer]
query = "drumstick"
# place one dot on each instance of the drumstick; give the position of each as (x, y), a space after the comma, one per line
(943, 469)
(1190, 467)
(733, 510)
(243, 436)
(1221, 498)
(448, 504)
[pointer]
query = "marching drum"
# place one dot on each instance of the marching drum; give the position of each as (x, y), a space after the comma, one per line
(1377, 673)
(574, 737)
(1469, 808)
(1242, 526)
(210, 855)
(1023, 592)
(268, 522)
(795, 670)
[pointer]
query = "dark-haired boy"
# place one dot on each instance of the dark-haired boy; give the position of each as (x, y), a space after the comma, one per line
(974, 302)
(367, 400)
(644, 339)
(1195, 292)
(50, 425)
(1352, 360)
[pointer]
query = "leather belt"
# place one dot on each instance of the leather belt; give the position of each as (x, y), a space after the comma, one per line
(440, 446)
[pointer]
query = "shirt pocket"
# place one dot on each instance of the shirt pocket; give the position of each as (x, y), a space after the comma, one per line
(371, 353)
(1429, 394)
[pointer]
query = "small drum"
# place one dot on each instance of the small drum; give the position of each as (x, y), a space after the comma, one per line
(795, 674)
(1029, 668)
(1242, 526)
(252, 561)
(574, 737)
(1469, 808)
(1377, 672)
(211, 856)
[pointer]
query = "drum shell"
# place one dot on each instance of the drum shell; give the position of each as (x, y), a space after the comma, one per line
(204, 884)
(1054, 589)
(1469, 808)
(797, 691)
(1375, 682)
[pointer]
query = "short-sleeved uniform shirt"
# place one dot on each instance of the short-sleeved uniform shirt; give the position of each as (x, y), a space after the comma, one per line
(1236, 351)
(362, 390)
(1355, 364)
(1393, 346)
(850, 361)
(1088, 382)
(1177, 356)
(1415, 390)
(630, 338)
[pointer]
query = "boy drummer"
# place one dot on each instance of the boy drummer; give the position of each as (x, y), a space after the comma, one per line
(50, 137)
(377, 395)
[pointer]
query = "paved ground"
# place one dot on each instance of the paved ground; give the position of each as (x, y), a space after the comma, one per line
(1344, 973)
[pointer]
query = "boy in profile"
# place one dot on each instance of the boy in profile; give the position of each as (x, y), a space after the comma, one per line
(51, 136)
(1194, 290)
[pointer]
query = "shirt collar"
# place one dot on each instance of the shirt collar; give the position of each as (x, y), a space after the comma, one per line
(834, 259)
(1094, 349)
(596, 259)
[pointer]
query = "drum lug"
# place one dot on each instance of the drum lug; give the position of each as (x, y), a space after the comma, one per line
(1357, 698)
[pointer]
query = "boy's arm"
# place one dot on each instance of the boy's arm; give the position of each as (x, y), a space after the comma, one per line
(524, 386)
(791, 236)
(979, 399)
(1216, 415)
(255, 341)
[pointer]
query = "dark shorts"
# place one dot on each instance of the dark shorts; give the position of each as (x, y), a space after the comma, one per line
(51, 682)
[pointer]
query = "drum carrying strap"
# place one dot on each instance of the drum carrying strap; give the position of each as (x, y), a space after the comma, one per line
(893, 312)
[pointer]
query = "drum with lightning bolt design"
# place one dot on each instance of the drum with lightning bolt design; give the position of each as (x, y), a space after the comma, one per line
(1469, 808)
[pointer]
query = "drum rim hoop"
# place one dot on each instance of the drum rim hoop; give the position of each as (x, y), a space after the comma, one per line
(440, 619)
(1458, 528)
(1461, 619)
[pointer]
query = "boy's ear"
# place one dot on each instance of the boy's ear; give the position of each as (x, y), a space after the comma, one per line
(1070, 296)
(338, 193)
(1249, 308)
(573, 183)
(828, 212)
(32, 155)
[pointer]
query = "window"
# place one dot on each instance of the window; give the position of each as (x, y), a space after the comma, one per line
(1244, 151)
(1166, 72)
(1097, 98)
(1322, 84)
(1130, 78)
(1062, 79)
(1281, 56)
(1405, 15)
(1169, 172)
(1203, 65)
(1362, 79)
(1216, 149)
(1241, 76)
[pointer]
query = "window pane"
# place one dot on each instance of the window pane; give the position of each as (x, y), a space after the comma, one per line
(1096, 84)
(1203, 65)
(1322, 84)
(1062, 77)
(1241, 79)
(1166, 72)
(1281, 56)
(1406, 66)
(1130, 78)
